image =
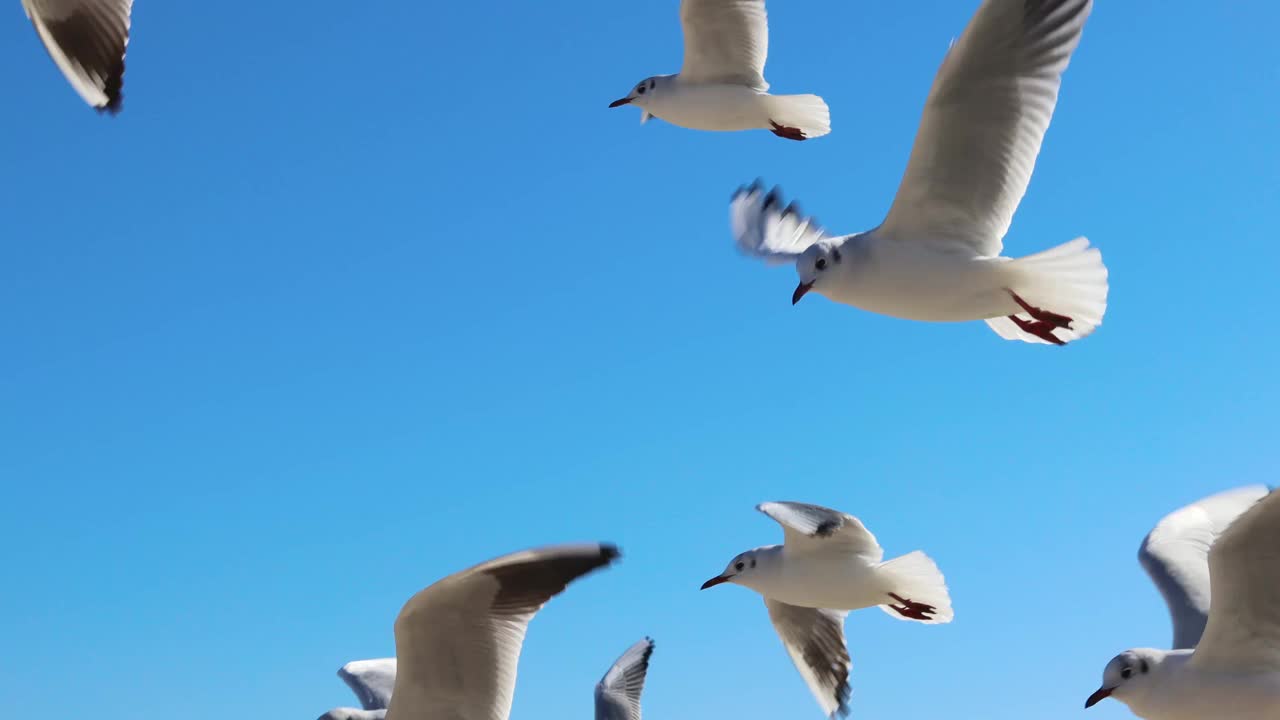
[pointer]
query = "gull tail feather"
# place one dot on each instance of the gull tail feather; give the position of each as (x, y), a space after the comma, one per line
(1069, 280)
(916, 577)
(807, 113)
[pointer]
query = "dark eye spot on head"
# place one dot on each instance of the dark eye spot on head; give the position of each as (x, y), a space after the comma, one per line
(835, 255)
(652, 82)
(753, 562)
(738, 565)
(821, 264)
(640, 89)
(1126, 672)
(1144, 667)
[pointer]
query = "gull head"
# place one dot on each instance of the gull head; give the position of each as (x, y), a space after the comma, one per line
(643, 92)
(814, 266)
(1128, 675)
(739, 571)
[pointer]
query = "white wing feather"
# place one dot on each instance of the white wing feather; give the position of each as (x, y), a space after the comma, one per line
(725, 41)
(764, 229)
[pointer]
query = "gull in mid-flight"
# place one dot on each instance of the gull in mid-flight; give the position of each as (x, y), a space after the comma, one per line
(721, 85)
(458, 641)
(618, 692)
(87, 40)
(372, 682)
(1234, 670)
(936, 257)
(829, 564)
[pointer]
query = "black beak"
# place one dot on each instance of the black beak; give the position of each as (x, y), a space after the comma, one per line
(714, 581)
(1097, 697)
(801, 289)
(620, 103)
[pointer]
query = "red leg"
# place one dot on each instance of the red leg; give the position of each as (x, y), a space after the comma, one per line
(1053, 319)
(1039, 328)
(912, 609)
(789, 133)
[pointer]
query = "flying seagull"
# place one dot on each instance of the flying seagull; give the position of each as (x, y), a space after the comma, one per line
(721, 85)
(829, 564)
(371, 681)
(87, 41)
(618, 692)
(936, 257)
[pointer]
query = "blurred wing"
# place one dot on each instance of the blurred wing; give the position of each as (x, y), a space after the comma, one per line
(725, 41)
(764, 229)
(371, 680)
(458, 641)
(813, 528)
(814, 639)
(983, 123)
(87, 40)
(1176, 556)
(618, 692)
(1243, 633)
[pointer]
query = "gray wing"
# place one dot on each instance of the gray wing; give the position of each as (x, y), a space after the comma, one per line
(458, 641)
(1243, 632)
(371, 680)
(983, 123)
(618, 692)
(763, 228)
(725, 41)
(813, 528)
(1175, 555)
(87, 41)
(814, 638)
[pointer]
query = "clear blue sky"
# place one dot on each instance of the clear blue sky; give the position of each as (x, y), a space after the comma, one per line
(350, 298)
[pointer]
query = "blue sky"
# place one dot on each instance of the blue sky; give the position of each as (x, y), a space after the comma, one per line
(346, 301)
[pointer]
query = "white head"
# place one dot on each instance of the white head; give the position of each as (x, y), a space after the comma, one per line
(817, 263)
(745, 568)
(1128, 675)
(643, 92)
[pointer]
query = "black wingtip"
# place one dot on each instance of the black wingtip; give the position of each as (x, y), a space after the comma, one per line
(610, 552)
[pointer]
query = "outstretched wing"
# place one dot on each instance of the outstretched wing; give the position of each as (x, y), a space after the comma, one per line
(983, 123)
(371, 680)
(725, 41)
(765, 229)
(1176, 556)
(87, 40)
(1243, 633)
(458, 641)
(618, 692)
(813, 528)
(814, 638)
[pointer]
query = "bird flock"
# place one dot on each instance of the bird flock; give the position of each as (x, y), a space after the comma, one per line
(936, 257)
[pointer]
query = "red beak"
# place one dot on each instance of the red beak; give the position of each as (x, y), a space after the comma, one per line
(801, 289)
(714, 582)
(1097, 697)
(620, 103)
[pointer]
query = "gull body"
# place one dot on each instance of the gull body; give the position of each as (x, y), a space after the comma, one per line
(829, 564)
(721, 86)
(937, 255)
(86, 40)
(1234, 670)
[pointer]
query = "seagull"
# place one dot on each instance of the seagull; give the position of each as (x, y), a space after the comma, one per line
(829, 564)
(371, 681)
(87, 40)
(458, 641)
(721, 85)
(1234, 670)
(618, 692)
(936, 257)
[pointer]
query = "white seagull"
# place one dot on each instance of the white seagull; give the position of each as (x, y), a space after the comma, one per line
(721, 85)
(372, 682)
(936, 257)
(829, 564)
(87, 40)
(1234, 671)
(618, 692)
(458, 641)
